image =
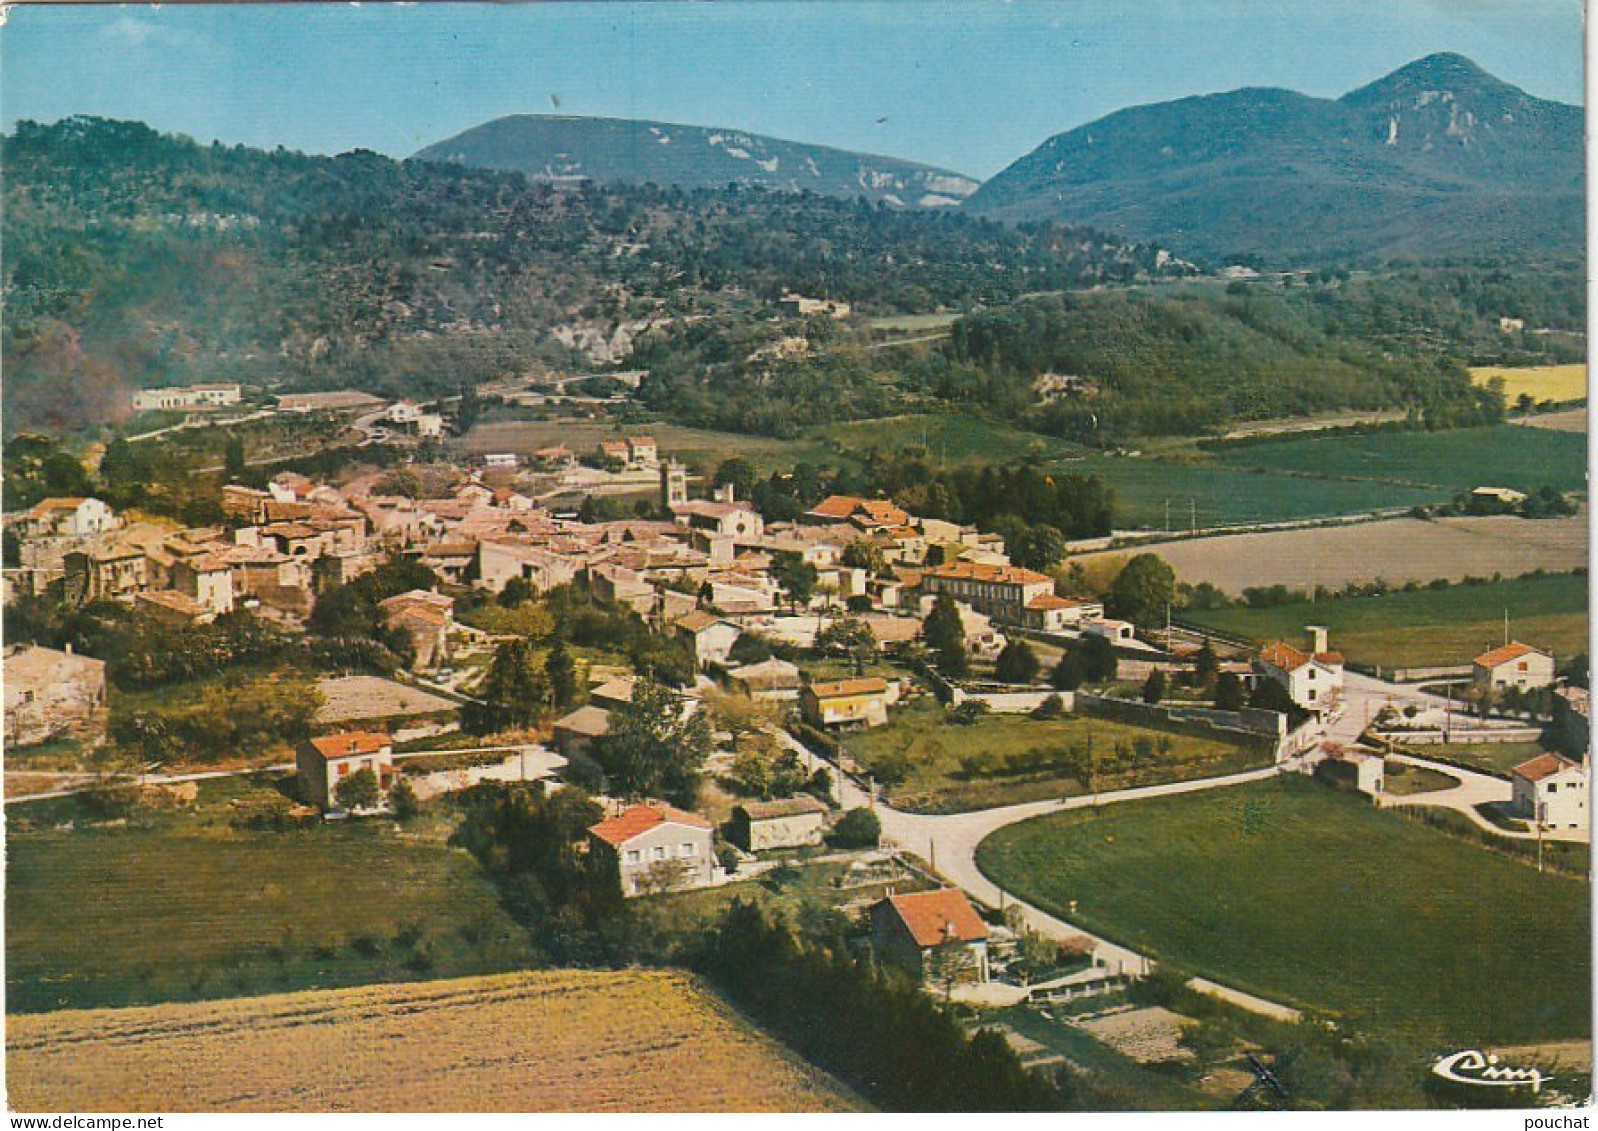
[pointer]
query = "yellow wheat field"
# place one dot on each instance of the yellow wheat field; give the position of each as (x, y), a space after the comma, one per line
(1541, 382)
(557, 1041)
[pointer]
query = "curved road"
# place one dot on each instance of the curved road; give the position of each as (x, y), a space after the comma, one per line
(949, 843)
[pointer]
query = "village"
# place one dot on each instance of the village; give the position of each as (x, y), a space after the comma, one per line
(828, 662)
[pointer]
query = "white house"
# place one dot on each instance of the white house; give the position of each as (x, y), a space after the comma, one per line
(656, 848)
(1552, 791)
(712, 637)
(1313, 679)
(1513, 665)
(67, 518)
(325, 762)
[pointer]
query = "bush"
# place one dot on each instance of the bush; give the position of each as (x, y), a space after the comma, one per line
(358, 791)
(1051, 708)
(269, 814)
(859, 828)
(404, 801)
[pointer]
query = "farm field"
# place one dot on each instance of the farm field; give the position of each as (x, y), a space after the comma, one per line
(1426, 627)
(128, 916)
(580, 1041)
(1396, 550)
(1569, 420)
(1539, 382)
(924, 752)
(1502, 456)
(1224, 495)
(692, 445)
(1307, 895)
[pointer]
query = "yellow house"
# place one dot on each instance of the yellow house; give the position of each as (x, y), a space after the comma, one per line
(848, 703)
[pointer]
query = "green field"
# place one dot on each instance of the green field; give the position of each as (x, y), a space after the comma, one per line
(1225, 495)
(1307, 895)
(1498, 758)
(1426, 627)
(112, 917)
(1403, 781)
(929, 749)
(1504, 456)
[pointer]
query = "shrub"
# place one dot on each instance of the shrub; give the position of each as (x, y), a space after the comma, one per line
(403, 798)
(859, 828)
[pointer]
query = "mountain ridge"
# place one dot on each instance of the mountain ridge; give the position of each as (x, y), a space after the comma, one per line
(1436, 159)
(558, 147)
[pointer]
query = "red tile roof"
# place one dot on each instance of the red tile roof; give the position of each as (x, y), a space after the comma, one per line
(1290, 659)
(618, 830)
(937, 917)
(835, 506)
(981, 571)
(1543, 766)
(350, 744)
(1505, 654)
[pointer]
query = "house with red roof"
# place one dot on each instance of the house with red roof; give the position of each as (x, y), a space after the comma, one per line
(325, 762)
(1313, 679)
(1551, 791)
(936, 934)
(655, 848)
(1513, 665)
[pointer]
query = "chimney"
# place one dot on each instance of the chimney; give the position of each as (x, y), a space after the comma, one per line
(1317, 638)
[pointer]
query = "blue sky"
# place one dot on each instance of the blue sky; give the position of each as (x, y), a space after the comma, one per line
(969, 86)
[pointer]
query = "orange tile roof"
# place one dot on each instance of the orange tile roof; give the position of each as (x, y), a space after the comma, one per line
(618, 830)
(836, 506)
(1543, 766)
(936, 917)
(350, 744)
(1050, 601)
(981, 571)
(1284, 656)
(848, 687)
(1505, 654)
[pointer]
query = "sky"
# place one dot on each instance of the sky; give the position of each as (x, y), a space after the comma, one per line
(968, 86)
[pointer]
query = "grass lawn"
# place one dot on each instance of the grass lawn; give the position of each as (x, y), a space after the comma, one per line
(1427, 627)
(1489, 757)
(920, 741)
(1540, 382)
(1406, 780)
(1502, 456)
(187, 909)
(1310, 896)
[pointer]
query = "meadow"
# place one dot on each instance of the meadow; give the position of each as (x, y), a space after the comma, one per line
(1459, 460)
(927, 750)
(1426, 627)
(125, 916)
(1557, 383)
(1309, 896)
(577, 1041)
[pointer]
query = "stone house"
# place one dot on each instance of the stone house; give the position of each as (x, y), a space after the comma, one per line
(935, 934)
(50, 693)
(790, 822)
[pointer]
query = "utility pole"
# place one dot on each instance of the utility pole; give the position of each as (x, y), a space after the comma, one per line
(1192, 515)
(1167, 516)
(1506, 625)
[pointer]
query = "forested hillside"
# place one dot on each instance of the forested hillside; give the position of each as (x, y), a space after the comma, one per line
(136, 259)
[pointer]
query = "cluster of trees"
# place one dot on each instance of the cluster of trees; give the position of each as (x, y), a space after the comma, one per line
(349, 625)
(1160, 364)
(519, 691)
(870, 1026)
(357, 269)
(240, 717)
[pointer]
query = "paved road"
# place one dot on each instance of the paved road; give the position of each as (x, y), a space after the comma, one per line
(949, 843)
(1473, 789)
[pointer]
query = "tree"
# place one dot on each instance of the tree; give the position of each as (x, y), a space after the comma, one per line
(402, 798)
(749, 648)
(1154, 687)
(651, 750)
(560, 676)
(514, 691)
(233, 462)
(739, 474)
(1143, 589)
(796, 576)
(358, 791)
(859, 828)
(1018, 663)
(864, 554)
(945, 637)
(1205, 666)
(1228, 692)
(850, 637)
(1069, 673)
